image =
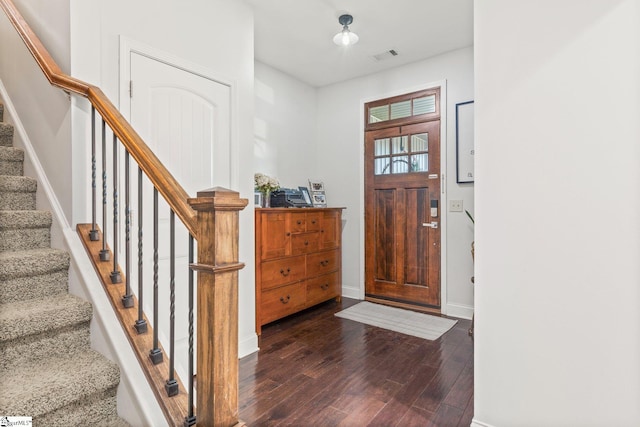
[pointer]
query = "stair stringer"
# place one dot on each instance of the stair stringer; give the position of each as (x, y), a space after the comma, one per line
(136, 401)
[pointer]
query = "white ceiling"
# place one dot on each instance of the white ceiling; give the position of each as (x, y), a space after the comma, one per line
(295, 36)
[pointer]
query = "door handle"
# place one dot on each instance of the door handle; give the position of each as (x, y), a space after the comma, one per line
(433, 224)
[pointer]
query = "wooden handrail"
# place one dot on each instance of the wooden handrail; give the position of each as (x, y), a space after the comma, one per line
(212, 218)
(159, 176)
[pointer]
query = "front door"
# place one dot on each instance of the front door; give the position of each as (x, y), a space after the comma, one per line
(402, 214)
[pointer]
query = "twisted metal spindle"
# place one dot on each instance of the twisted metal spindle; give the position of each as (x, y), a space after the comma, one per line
(172, 385)
(116, 277)
(127, 298)
(104, 252)
(190, 419)
(94, 236)
(156, 353)
(141, 323)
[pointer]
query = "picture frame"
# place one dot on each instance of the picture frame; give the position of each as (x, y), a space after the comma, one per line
(316, 186)
(306, 195)
(465, 142)
(318, 196)
(257, 199)
(319, 199)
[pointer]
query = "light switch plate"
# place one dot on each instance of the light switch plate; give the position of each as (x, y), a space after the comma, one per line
(455, 205)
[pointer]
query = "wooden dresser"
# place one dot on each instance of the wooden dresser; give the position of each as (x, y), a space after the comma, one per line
(298, 260)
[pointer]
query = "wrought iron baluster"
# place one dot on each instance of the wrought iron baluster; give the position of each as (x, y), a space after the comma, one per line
(156, 353)
(172, 385)
(127, 298)
(141, 323)
(94, 236)
(104, 253)
(190, 419)
(116, 277)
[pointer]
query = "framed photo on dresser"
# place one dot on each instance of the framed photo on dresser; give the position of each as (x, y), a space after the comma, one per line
(318, 196)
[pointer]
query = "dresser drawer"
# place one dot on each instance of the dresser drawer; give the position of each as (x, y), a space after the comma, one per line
(313, 220)
(281, 271)
(298, 222)
(305, 243)
(322, 288)
(283, 301)
(322, 262)
(305, 221)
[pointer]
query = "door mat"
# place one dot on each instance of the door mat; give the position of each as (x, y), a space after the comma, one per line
(399, 320)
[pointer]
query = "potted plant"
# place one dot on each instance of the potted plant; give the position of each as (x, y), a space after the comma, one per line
(265, 184)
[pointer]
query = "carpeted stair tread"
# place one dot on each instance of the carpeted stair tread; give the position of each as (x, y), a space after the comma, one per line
(35, 389)
(31, 317)
(21, 230)
(33, 287)
(88, 412)
(11, 154)
(11, 161)
(42, 346)
(12, 220)
(6, 134)
(17, 184)
(32, 262)
(17, 192)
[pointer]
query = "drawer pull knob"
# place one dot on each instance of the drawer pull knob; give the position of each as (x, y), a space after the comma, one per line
(324, 263)
(306, 242)
(288, 234)
(325, 286)
(286, 272)
(299, 222)
(285, 300)
(313, 222)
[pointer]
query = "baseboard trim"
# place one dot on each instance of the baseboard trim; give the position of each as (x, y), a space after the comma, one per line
(460, 311)
(476, 423)
(248, 345)
(350, 292)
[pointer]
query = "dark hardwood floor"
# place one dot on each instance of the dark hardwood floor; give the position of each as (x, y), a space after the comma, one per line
(315, 369)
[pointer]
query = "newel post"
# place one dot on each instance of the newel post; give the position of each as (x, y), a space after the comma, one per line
(217, 323)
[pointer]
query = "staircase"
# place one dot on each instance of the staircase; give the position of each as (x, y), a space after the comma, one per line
(47, 368)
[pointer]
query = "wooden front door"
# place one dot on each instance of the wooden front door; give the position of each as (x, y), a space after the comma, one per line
(402, 214)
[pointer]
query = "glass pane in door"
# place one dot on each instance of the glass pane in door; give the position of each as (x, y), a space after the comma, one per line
(381, 147)
(382, 166)
(399, 144)
(420, 163)
(420, 142)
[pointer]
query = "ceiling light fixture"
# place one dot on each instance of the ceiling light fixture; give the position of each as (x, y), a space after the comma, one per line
(345, 37)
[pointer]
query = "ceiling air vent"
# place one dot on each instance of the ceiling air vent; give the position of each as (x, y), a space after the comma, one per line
(385, 55)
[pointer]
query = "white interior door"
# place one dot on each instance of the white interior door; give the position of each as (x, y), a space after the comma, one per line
(185, 119)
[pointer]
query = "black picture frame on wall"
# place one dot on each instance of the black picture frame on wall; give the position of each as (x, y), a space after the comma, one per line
(465, 142)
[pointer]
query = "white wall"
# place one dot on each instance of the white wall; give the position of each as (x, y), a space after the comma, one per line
(43, 109)
(285, 127)
(198, 34)
(339, 163)
(557, 213)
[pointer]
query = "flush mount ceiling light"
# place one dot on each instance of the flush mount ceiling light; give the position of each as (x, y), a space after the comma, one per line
(345, 37)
